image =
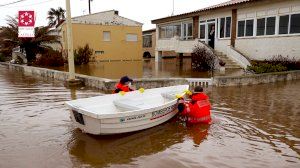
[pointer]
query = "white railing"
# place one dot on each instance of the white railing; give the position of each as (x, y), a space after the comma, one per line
(237, 57)
(204, 82)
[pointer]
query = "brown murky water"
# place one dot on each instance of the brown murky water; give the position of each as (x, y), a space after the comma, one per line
(254, 126)
(144, 69)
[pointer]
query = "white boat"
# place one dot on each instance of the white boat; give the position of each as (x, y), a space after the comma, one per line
(133, 111)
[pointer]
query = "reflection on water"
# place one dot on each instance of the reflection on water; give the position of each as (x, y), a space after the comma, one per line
(254, 126)
(171, 67)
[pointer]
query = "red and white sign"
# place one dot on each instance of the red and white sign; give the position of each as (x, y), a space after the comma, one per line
(26, 23)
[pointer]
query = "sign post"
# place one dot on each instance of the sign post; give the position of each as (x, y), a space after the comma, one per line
(70, 43)
(26, 24)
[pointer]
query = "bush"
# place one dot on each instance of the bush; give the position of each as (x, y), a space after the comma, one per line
(266, 68)
(203, 59)
(290, 64)
(275, 64)
(83, 55)
(2, 58)
(50, 58)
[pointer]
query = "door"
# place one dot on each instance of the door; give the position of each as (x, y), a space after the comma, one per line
(211, 34)
(205, 29)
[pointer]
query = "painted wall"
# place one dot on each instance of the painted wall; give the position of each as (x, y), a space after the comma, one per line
(115, 49)
(151, 50)
(264, 47)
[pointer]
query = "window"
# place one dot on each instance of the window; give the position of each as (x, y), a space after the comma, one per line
(228, 26)
(202, 31)
(131, 37)
(222, 27)
(187, 31)
(170, 31)
(249, 27)
(260, 29)
(162, 32)
(177, 30)
(106, 36)
(99, 52)
(225, 27)
(295, 24)
(241, 28)
(270, 30)
(284, 24)
(245, 28)
(266, 26)
(190, 29)
(147, 41)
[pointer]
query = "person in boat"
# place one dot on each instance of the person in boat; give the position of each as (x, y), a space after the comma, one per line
(197, 110)
(124, 85)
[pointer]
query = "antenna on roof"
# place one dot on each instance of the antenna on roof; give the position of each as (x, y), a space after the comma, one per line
(173, 9)
(90, 6)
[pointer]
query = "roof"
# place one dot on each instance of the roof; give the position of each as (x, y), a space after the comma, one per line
(110, 17)
(221, 5)
(149, 30)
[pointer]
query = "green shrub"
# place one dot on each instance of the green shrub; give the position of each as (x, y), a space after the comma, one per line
(203, 59)
(266, 68)
(50, 58)
(289, 63)
(2, 58)
(82, 55)
(275, 64)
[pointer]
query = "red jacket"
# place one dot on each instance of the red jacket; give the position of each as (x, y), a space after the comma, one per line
(122, 87)
(198, 111)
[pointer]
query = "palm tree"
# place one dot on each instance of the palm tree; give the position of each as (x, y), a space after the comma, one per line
(55, 16)
(9, 40)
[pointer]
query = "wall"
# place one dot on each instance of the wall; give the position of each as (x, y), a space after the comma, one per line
(115, 49)
(263, 47)
(221, 81)
(108, 84)
(151, 50)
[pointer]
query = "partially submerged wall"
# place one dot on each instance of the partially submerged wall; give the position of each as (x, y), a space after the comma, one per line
(256, 78)
(108, 84)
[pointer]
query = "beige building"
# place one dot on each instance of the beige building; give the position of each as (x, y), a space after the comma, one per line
(241, 30)
(112, 37)
(149, 39)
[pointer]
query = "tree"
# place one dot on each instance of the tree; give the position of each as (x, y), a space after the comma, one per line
(55, 16)
(9, 40)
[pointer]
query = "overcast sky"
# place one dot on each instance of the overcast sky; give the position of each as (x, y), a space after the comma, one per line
(139, 10)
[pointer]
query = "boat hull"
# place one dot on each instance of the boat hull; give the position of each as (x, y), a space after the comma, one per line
(120, 125)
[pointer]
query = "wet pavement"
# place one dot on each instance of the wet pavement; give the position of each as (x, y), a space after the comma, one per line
(253, 126)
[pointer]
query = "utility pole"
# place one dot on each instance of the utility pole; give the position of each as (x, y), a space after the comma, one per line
(70, 42)
(173, 9)
(90, 6)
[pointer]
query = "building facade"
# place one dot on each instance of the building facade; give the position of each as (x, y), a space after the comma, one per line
(112, 37)
(149, 41)
(241, 29)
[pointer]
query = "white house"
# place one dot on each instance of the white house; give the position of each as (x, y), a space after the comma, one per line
(244, 30)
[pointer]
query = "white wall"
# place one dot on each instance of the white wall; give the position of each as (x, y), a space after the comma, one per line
(264, 47)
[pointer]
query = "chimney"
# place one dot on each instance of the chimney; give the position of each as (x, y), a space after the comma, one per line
(116, 12)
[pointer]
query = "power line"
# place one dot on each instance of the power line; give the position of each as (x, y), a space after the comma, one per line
(12, 3)
(30, 4)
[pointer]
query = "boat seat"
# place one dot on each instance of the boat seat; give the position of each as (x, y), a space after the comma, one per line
(126, 105)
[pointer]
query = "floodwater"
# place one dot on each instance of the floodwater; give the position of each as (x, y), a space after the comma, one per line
(253, 126)
(169, 67)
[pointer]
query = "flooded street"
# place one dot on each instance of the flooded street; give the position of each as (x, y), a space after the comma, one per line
(168, 67)
(254, 126)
